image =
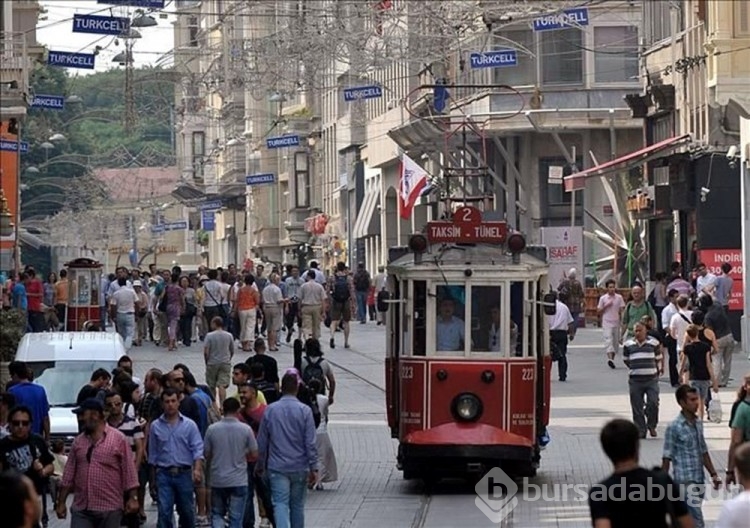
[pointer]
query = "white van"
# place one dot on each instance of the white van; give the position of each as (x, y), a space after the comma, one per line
(62, 363)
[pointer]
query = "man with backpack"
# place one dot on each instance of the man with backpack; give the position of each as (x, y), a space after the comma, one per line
(362, 284)
(343, 294)
(635, 309)
(315, 367)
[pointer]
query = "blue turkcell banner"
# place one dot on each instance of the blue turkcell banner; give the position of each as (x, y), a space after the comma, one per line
(494, 59)
(100, 25)
(282, 141)
(213, 205)
(568, 18)
(259, 179)
(52, 102)
(362, 92)
(208, 220)
(12, 146)
(149, 4)
(66, 59)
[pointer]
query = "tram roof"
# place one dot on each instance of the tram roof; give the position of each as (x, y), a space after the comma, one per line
(478, 256)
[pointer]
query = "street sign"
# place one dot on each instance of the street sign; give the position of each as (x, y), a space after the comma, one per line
(213, 205)
(100, 25)
(170, 226)
(282, 141)
(467, 227)
(259, 179)
(568, 18)
(67, 59)
(494, 59)
(208, 220)
(12, 146)
(52, 102)
(362, 92)
(148, 4)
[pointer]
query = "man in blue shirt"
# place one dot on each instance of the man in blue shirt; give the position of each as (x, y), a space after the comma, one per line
(175, 451)
(20, 300)
(286, 446)
(30, 395)
(449, 328)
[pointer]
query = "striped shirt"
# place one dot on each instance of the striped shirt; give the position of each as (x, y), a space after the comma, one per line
(131, 429)
(642, 359)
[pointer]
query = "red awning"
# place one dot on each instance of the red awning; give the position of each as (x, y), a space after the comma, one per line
(577, 181)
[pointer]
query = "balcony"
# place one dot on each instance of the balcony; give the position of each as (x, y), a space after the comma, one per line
(14, 76)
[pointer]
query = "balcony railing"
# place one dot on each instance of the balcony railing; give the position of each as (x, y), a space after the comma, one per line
(14, 73)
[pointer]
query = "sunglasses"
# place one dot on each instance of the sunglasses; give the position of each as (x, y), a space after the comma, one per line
(20, 423)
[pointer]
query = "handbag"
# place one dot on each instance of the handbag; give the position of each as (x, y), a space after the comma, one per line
(714, 409)
(162, 306)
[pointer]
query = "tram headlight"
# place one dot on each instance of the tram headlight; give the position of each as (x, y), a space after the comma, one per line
(467, 407)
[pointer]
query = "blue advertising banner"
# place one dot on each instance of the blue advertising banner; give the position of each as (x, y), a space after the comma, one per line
(171, 226)
(67, 59)
(494, 59)
(362, 92)
(12, 146)
(100, 25)
(53, 102)
(569, 18)
(259, 179)
(282, 141)
(213, 205)
(208, 220)
(150, 4)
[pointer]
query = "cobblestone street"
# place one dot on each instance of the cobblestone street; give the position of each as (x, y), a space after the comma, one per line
(371, 491)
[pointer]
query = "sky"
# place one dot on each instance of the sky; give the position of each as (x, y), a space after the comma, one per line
(56, 32)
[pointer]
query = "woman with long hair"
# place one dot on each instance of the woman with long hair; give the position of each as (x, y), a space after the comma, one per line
(175, 308)
(328, 469)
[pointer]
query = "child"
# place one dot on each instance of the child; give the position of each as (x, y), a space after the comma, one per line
(328, 471)
(700, 371)
(58, 452)
(371, 303)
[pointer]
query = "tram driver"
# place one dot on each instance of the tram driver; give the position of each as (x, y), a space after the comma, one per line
(449, 328)
(495, 336)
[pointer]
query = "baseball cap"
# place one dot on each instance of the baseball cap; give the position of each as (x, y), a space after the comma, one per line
(89, 404)
(203, 278)
(137, 283)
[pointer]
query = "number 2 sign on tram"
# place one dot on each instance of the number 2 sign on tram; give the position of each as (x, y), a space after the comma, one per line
(467, 227)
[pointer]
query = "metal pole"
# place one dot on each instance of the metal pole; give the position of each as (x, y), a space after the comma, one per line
(745, 223)
(573, 192)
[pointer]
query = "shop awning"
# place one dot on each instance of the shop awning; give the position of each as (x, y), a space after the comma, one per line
(577, 181)
(365, 225)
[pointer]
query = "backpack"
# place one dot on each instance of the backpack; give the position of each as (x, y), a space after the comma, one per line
(362, 281)
(212, 415)
(313, 371)
(340, 289)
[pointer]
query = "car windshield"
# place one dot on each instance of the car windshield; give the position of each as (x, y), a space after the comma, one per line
(64, 379)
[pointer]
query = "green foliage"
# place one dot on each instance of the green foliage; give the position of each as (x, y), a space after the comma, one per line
(12, 329)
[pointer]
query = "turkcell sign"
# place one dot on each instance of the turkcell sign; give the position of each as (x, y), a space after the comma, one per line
(53, 102)
(66, 59)
(100, 25)
(208, 220)
(213, 205)
(176, 226)
(362, 92)
(282, 141)
(568, 18)
(12, 146)
(150, 4)
(259, 179)
(494, 59)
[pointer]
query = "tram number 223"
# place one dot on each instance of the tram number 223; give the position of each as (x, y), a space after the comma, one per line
(407, 372)
(527, 374)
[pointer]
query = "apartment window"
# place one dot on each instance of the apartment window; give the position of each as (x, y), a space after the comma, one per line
(562, 56)
(525, 73)
(199, 152)
(552, 171)
(616, 54)
(742, 19)
(193, 28)
(657, 20)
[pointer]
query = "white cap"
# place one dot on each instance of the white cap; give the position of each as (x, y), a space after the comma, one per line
(137, 283)
(572, 272)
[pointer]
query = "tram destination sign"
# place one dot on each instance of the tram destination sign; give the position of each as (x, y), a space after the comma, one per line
(467, 227)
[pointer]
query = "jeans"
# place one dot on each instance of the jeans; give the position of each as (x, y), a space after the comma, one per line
(288, 492)
(362, 306)
(186, 329)
(126, 328)
(560, 338)
(92, 519)
(260, 485)
(650, 389)
(722, 359)
(37, 321)
(693, 495)
(674, 376)
(175, 489)
(228, 500)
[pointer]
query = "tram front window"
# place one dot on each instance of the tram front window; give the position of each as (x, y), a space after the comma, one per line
(490, 326)
(449, 325)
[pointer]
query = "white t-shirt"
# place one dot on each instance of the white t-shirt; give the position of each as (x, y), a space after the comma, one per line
(562, 318)
(736, 512)
(707, 283)
(124, 299)
(611, 314)
(678, 325)
(213, 293)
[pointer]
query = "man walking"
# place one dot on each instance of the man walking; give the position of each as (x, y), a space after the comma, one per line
(724, 286)
(312, 300)
(635, 310)
(610, 308)
(643, 357)
(30, 395)
(218, 351)
(561, 328)
(288, 453)
(362, 284)
(228, 444)
(292, 309)
(685, 449)
(344, 299)
(736, 512)
(124, 304)
(100, 472)
(669, 342)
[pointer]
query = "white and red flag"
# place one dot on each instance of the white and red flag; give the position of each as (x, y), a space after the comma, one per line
(413, 181)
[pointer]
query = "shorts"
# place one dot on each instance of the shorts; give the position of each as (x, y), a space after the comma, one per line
(273, 318)
(611, 339)
(218, 375)
(703, 387)
(341, 310)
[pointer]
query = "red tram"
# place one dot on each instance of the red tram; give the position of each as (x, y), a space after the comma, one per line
(468, 361)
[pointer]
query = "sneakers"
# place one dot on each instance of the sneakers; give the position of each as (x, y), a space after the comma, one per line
(264, 523)
(202, 522)
(333, 343)
(611, 363)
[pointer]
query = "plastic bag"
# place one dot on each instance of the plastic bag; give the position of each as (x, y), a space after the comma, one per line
(714, 409)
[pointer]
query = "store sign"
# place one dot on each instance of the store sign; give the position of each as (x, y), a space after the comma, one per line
(149, 4)
(282, 141)
(714, 258)
(12, 146)
(66, 59)
(564, 251)
(51, 102)
(208, 220)
(259, 179)
(494, 59)
(467, 227)
(100, 25)
(362, 92)
(568, 18)
(213, 205)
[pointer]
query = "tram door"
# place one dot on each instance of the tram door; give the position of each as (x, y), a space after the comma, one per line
(393, 354)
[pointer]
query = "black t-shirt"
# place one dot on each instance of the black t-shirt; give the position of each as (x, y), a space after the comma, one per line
(87, 391)
(696, 355)
(189, 408)
(607, 500)
(270, 367)
(656, 335)
(20, 456)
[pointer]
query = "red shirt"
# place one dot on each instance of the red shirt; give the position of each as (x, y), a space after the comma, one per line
(100, 485)
(35, 294)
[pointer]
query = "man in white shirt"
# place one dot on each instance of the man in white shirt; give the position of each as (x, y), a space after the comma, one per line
(561, 328)
(736, 512)
(273, 304)
(610, 308)
(680, 321)
(320, 277)
(705, 284)
(449, 328)
(124, 304)
(293, 284)
(669, 343)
